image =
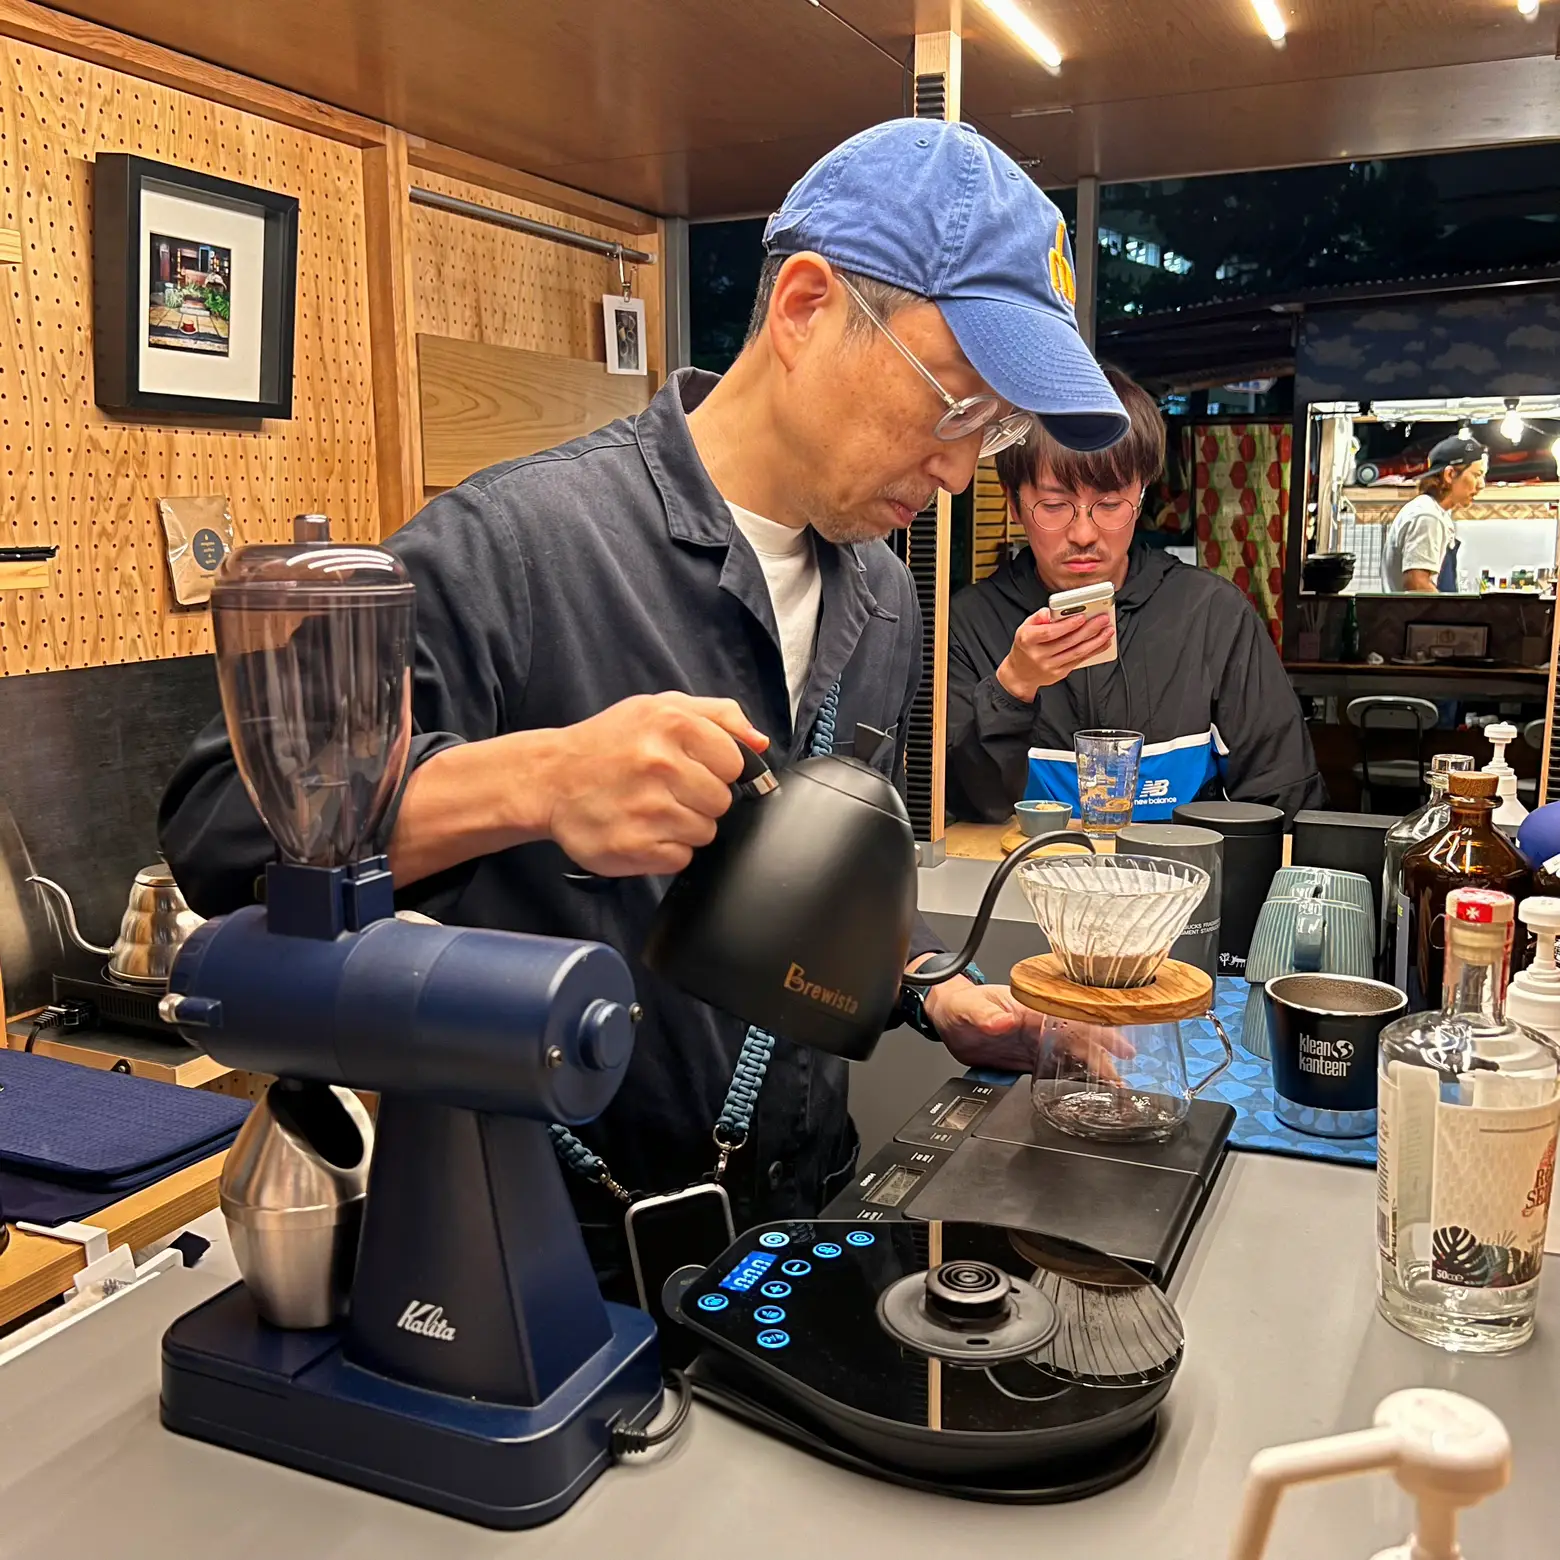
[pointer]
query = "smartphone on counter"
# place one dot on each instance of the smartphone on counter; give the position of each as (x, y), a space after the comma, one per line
(1088, 601)
(667, 1233)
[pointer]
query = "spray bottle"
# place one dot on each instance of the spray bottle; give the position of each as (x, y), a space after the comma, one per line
(1445, 1450)
(1533, 998)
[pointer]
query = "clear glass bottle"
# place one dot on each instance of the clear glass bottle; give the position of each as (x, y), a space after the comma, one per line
(1469, 1105)
(1424, 823)
(1468, 853)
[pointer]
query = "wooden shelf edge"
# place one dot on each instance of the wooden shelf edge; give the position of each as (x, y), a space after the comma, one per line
(35, 1269)
(34, 574)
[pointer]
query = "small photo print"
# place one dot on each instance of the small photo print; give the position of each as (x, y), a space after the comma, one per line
(624, 319)
(191, 284)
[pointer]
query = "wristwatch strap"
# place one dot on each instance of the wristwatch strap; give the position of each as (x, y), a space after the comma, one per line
(911, 1007)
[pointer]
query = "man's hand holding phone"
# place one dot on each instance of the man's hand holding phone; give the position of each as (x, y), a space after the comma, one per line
(1049, 645)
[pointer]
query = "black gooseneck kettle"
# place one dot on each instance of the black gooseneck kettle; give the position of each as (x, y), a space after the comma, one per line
(797, 917)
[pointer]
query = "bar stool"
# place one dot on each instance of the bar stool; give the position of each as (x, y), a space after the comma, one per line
(1378, 712)
(1535, 733)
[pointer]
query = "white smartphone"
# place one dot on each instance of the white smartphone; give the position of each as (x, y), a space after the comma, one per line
(1088, 601)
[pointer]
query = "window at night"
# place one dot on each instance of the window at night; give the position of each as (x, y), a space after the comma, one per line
(1178, 243)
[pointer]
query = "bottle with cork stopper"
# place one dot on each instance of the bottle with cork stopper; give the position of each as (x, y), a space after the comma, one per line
(1469, 853)
(1468, 1107)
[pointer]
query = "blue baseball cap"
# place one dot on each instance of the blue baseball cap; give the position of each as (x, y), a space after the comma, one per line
(939, 211)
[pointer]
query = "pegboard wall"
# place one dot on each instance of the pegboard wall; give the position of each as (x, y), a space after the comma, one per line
(483, 283)
(88, 482)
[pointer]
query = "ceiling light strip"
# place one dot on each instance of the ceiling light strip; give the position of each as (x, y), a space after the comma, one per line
(1272, 19)
(1017, 20)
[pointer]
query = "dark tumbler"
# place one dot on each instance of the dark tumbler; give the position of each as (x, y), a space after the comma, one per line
(1253, 852)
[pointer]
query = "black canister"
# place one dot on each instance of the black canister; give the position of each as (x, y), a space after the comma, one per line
(1199, 943)
(1253, 852)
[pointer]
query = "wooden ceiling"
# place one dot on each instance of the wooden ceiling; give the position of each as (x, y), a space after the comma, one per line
(711, 107)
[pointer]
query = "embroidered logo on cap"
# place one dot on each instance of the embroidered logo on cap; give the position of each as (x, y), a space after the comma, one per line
(1063, 281)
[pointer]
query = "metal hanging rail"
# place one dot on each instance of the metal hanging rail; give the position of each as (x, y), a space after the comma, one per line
(503, 219)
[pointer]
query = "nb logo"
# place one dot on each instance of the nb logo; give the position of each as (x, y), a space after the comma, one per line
(1154, 789)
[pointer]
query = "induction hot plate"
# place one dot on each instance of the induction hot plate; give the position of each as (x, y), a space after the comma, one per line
(830, 1334)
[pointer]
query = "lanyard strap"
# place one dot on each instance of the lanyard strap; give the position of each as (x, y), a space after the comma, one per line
(758, 1045)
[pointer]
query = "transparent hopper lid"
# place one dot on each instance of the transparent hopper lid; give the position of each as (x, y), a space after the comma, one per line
(314, 649)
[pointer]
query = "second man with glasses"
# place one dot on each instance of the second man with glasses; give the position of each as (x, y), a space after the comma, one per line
(1194, 667)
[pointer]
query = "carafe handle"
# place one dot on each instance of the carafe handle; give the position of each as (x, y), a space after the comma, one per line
(1193, 1091)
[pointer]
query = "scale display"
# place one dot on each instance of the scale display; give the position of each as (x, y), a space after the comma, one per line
(962, 1114)
(892, 1189)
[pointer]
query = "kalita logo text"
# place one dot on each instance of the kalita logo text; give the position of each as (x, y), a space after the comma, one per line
(427, 1321)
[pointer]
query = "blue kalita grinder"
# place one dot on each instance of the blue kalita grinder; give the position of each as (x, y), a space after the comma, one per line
(476, 1369)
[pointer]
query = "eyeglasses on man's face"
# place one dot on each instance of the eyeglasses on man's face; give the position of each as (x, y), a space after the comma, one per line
(975, 413)
(1051, 512)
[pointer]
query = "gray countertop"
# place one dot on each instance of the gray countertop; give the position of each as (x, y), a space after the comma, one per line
(1276, 1291)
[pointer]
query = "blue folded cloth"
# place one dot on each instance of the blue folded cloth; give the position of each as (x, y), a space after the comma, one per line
(104, 1131)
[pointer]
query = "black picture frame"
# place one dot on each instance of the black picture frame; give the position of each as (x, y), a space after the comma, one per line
(1418, 641)
(119, 309)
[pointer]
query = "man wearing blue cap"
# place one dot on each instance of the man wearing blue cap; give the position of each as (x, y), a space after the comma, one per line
(600, 626)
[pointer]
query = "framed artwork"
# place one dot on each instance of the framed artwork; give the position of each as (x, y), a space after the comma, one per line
(624, 319)
(194, 282)
(1446, 641)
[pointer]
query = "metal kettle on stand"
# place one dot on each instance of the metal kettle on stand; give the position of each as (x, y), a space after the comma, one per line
(153, 929)
(798, 916)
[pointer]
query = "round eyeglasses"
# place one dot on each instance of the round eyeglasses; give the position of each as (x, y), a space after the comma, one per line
(1109, 514)
(982, 413)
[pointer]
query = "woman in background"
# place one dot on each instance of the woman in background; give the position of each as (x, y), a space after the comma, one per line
(1419, 553)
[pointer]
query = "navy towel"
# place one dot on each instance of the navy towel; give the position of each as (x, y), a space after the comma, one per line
(104, 1130)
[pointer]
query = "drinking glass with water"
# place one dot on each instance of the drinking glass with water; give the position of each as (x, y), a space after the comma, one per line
(1107, 779)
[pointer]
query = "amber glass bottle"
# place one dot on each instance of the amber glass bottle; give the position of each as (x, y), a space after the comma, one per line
(1472, 853)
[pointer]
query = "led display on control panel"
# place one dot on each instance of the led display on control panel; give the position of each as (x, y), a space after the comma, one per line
(748, 1271)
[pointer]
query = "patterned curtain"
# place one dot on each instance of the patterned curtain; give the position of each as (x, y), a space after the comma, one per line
(1242, 505)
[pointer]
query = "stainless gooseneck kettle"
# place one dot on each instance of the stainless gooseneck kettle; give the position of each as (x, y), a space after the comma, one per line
(798, 916)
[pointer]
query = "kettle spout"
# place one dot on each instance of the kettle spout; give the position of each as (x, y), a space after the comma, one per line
(69, 911)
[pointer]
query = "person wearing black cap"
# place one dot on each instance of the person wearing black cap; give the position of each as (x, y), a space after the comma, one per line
(600, 626)
(1422, 541)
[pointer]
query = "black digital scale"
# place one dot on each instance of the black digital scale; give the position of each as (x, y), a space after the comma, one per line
(978, 1152)
(979, 1314)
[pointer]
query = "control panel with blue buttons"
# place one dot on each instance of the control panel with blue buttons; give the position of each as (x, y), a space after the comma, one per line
(782, 1290)
(790, 1314)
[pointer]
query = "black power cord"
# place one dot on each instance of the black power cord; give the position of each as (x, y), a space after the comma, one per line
(70, 1014)
(631, 1440)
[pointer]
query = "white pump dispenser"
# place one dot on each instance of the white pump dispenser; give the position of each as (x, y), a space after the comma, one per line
(1534, 996)
(1446, 1450)
(1510, 813)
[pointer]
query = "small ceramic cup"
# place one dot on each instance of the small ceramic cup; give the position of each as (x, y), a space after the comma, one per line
(1036, 818)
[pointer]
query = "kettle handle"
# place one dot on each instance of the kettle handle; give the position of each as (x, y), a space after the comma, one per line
(944, 966)
(757, 779)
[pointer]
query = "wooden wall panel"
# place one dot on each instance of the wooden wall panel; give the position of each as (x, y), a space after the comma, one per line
(994, 526)
(89, 482)
(482, 404)
(483, 283)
